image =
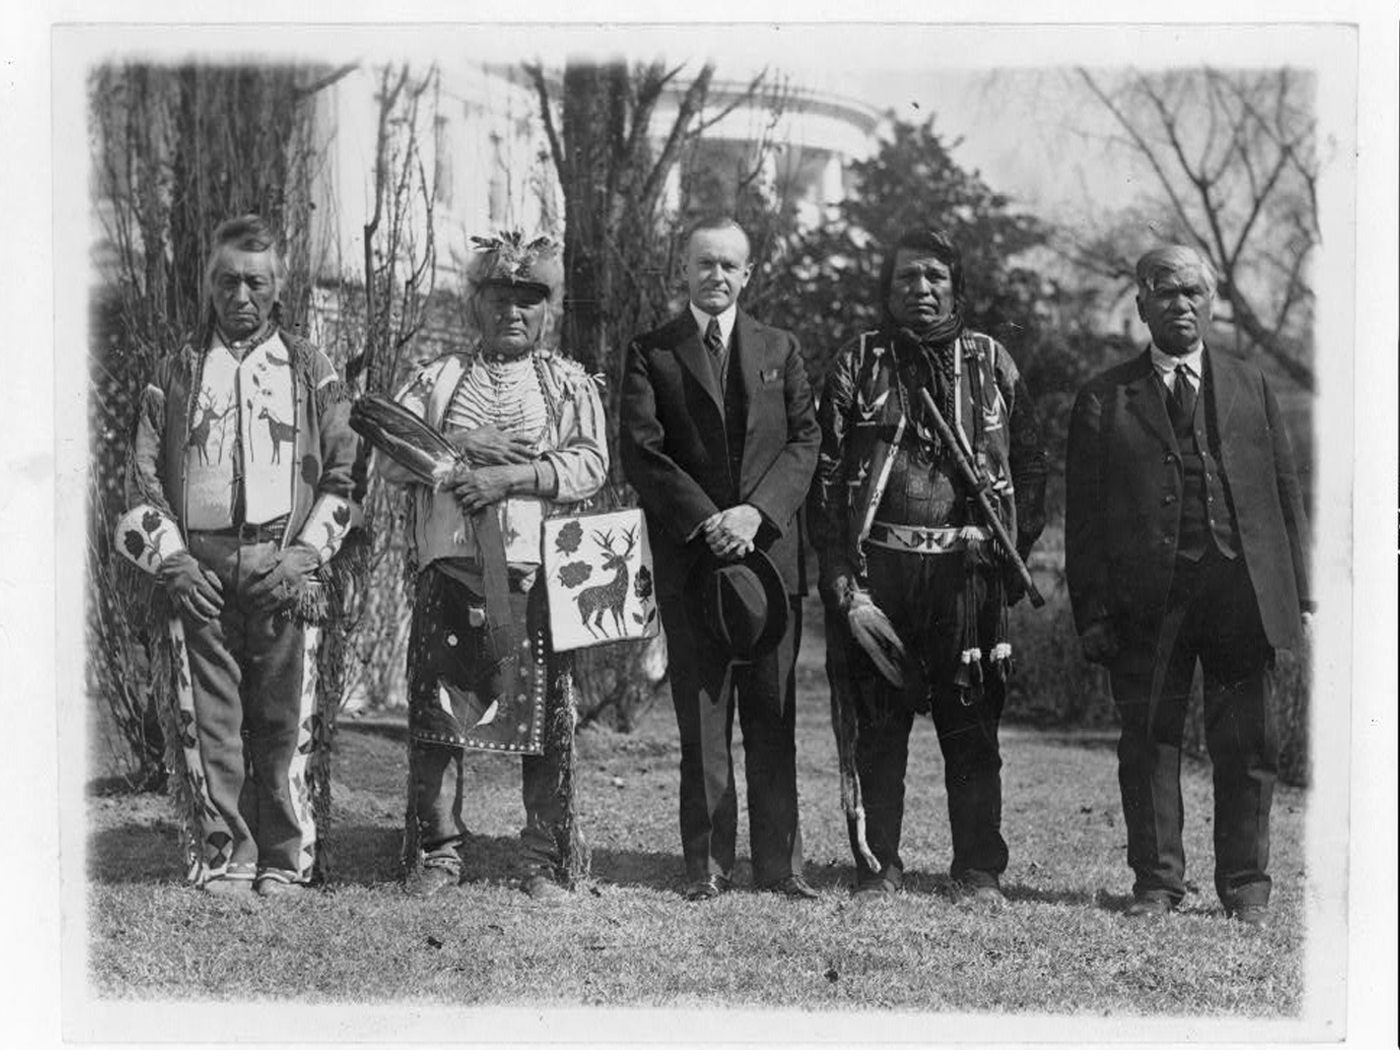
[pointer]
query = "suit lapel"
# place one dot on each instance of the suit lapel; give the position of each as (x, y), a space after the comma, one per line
(1144, 394)
(749, 348)
(691, 353)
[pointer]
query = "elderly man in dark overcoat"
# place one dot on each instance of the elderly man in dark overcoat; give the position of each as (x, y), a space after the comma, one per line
(1186, 542)
(719, 439)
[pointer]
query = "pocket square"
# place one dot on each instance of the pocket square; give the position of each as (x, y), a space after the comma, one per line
(769, 375)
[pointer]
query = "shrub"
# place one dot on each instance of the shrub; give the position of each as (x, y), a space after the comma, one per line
(1053, 685)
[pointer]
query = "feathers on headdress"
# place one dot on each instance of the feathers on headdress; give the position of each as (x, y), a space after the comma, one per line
(508, 258)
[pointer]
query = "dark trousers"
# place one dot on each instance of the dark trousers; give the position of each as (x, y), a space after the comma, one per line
(438, 783)
(1212, 618)
(442, 616)
(705, 694)
(927, 599)
(247, 671)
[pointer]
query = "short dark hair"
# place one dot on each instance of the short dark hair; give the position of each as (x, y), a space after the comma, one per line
(935, 242)
(247, 233)
(720, 222)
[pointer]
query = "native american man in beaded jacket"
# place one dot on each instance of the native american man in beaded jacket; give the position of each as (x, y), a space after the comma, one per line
(239, 485)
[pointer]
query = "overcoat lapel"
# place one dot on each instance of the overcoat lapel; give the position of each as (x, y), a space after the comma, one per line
(1145, 401)
(1219, 383)
(693, 356)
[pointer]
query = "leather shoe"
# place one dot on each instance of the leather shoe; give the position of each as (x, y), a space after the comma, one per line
(795, 887)
(1149, 908)
(981, 888)
(708, 888)
(277, 886)
(1256, 915)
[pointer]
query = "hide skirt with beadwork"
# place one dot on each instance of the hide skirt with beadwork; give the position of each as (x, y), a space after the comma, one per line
(471, 683)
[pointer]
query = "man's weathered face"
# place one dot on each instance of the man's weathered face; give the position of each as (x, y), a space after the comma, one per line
(511, 318)
(921, 289)
(1178, 309)
(717, 268)
(244, 289)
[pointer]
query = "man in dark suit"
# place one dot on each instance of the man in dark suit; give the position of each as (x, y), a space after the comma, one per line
(1186, 541)
(720, 440)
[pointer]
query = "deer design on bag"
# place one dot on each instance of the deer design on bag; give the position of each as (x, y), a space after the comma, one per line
(595, 602)
(278, 432)
(199, 433)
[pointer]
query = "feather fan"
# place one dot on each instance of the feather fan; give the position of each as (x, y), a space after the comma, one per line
(404, 438)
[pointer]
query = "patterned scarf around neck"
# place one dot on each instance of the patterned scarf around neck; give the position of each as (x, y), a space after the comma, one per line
(933, 364)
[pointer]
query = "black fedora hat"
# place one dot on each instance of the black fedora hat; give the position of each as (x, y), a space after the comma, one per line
(741, 606)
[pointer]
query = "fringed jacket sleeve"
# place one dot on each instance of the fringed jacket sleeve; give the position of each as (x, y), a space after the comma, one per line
(580, 460)
(339, 444)
(145, 462)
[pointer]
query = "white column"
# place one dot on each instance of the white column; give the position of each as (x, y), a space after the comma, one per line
(833, 187)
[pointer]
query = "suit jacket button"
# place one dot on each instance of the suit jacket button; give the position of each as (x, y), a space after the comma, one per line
(1168, 498)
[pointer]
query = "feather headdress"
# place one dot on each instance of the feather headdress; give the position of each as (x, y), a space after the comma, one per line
(508, 258)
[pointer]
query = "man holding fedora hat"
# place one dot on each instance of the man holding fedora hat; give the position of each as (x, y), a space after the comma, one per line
(720, 441)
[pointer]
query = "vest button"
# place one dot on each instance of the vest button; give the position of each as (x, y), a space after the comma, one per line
(1168, 499)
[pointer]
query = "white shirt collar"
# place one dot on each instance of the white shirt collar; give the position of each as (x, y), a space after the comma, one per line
(726, 321)
(1165, 363)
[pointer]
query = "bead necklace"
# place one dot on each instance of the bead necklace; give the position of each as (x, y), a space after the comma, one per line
(503, 393)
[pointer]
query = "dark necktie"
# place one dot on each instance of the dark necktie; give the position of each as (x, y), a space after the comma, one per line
(1183, 397)
(714, 342)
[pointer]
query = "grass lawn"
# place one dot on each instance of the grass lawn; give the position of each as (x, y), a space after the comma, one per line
(1059, 945)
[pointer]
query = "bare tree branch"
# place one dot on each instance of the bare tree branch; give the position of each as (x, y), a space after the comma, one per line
(1231, 155)
(689, 106)
(1143, 147)
(321, 83)
(747, 95)
(535, 71)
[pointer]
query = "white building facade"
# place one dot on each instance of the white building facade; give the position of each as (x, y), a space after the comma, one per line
(483, 148)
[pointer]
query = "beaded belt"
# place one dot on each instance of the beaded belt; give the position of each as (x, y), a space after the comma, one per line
(915, 540)
(268, 532)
